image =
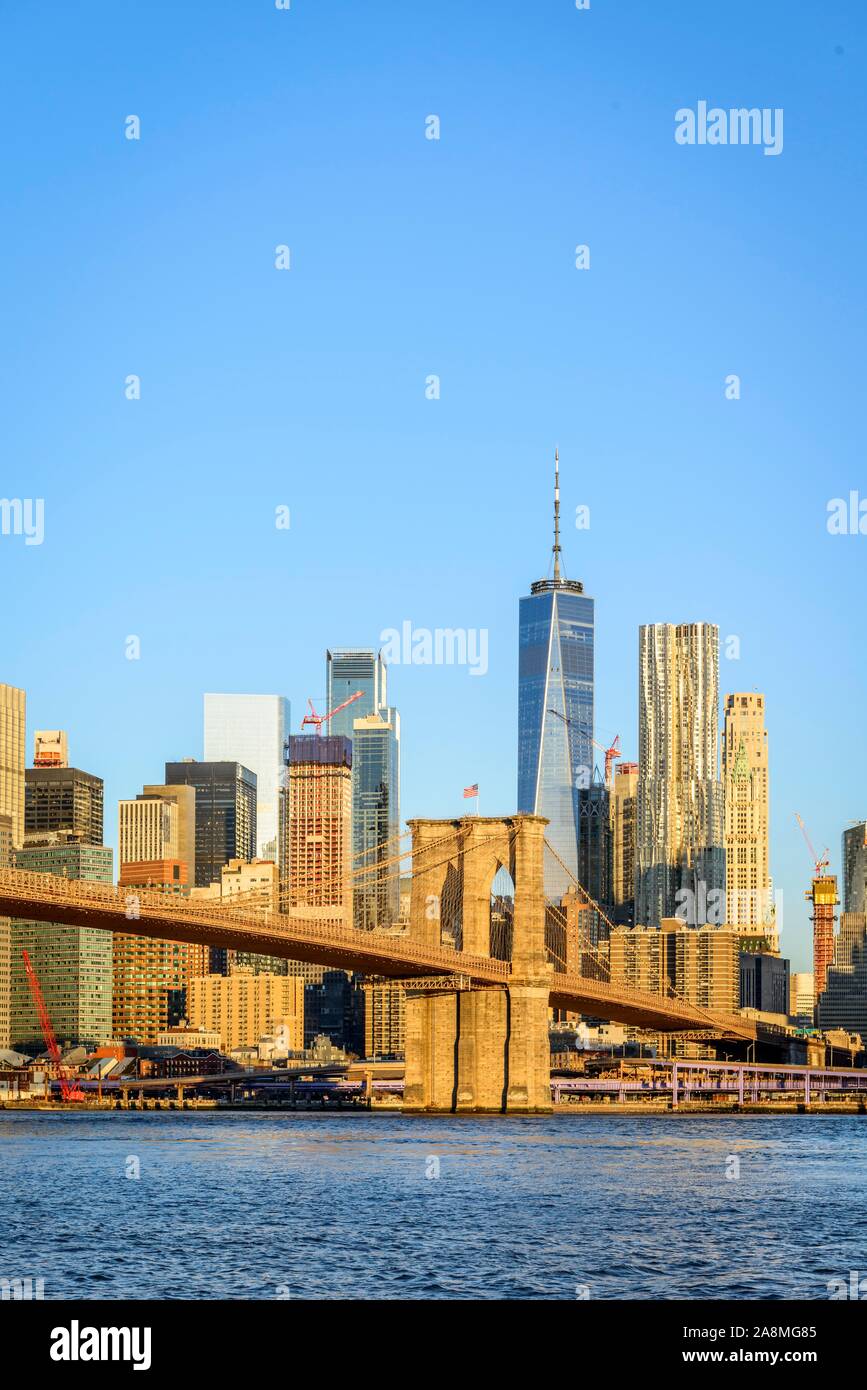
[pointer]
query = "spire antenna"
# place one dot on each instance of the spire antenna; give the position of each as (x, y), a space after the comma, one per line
(557, 514)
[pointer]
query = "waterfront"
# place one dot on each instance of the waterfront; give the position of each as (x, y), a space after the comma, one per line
(265, 1206)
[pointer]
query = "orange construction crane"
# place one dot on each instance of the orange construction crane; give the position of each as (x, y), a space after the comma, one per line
(611, 752)
(819, 865)
(68, 1089)
(317, 720)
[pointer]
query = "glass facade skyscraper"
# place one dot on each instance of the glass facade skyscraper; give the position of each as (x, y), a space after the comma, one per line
(855, 867)
(374, 728)
(555, 710)
(225, 813)
(252, 730)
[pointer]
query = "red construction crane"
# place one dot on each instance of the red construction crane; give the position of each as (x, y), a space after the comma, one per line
(68, 1089)
(317, 720)
(819, 865)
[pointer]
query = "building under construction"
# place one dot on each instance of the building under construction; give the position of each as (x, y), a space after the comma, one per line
(823, 896)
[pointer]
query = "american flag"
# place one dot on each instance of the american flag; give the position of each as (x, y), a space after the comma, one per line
(471, 791)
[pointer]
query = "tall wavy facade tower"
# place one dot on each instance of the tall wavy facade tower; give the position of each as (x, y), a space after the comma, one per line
(555, 709)
(680, 847)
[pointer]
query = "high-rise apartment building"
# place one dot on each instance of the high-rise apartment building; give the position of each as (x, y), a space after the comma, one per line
(745, 781)
(316, 826)
(555, 709)
(12, 734)
(225, 813)
(64, 801)
(252, 730)
(843, 1003)
(244, 1007)
(73, 964)
(384, 1019)
(149, 976)
(623, 810)
(700, 965)
(822, 896)
(680, 854)
(374, 728)
(855, 867)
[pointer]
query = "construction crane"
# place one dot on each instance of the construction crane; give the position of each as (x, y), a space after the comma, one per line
(610, 753)
(317, 720)
(68, 1089)
(819, 865)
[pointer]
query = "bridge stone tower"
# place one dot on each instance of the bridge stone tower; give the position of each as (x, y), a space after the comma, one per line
(479, 1049)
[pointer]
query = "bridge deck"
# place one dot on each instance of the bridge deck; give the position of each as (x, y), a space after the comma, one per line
(47, 898)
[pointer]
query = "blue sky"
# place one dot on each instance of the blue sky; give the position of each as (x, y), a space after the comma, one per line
(413, 257)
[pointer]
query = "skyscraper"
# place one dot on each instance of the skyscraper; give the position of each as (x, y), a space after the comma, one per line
(348, 669)
(73, 964)
(225, 813)
(12, 727)
(555, 708)
(624, 815)
(843, 1003)
(374, 728)
(855, 867)
(316, 826)
(745, 779)
(184, 798)
(62, 800)
(252, 730)
(680, 855)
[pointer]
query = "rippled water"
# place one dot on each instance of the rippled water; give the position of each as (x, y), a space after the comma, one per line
(232, 1205)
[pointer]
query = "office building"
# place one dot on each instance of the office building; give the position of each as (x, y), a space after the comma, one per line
(843, 1003)
(680, 854)
(184, 797)
(147, 830)
(62, 801)
(73, 964)
(254, 885)
(855, 867)
(316, 827)
(335, 1009)
(745, 781)
(225, 813)
(50, 748)
(376, 819)
(802, 997)
(374, 728)
(244, 1007)
(555, 709)
(764, 983)
(12, 733)
(252, 730)
(594, 857)
(624, 824)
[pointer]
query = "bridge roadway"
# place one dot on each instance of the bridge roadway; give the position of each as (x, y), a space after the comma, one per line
(323, 941)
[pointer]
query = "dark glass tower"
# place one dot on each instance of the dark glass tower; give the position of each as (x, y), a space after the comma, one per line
(555, 708)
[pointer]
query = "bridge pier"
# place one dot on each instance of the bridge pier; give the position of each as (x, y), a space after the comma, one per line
(478, 1051)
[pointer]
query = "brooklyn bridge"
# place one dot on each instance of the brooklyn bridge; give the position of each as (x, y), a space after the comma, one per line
(478, 988)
